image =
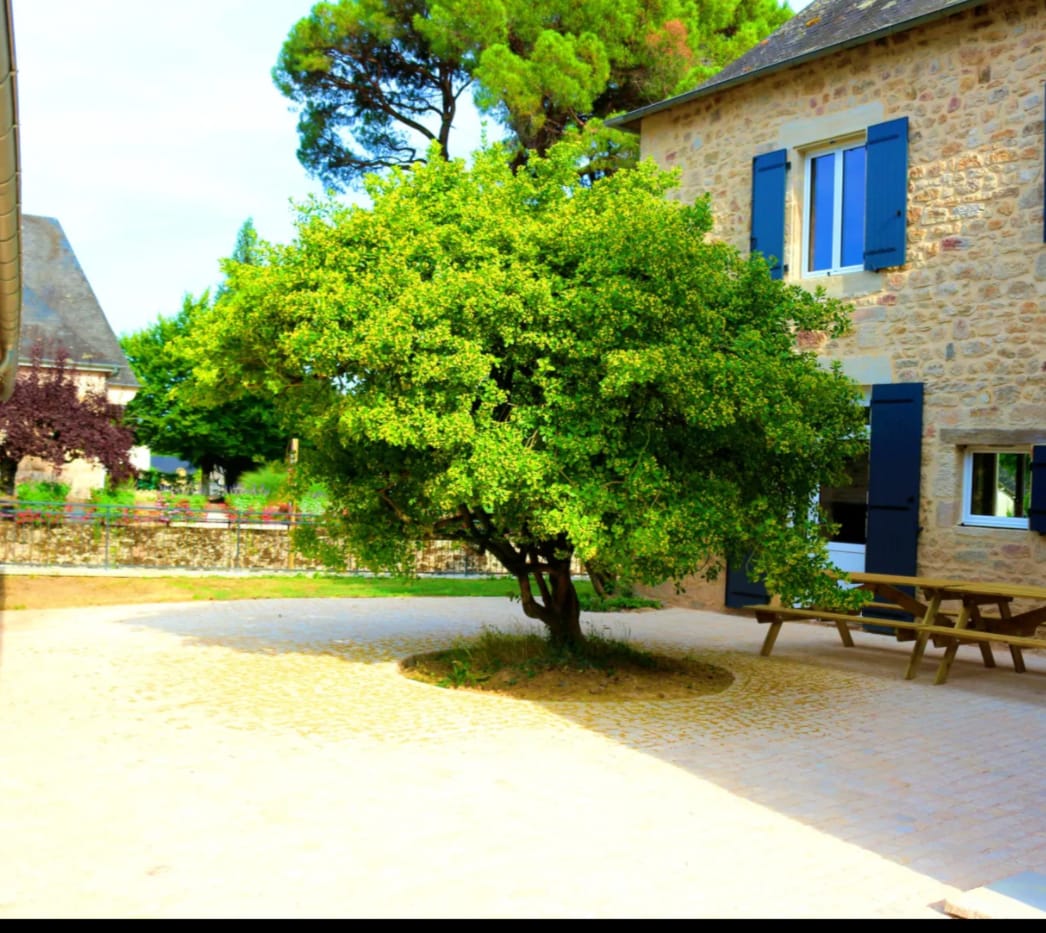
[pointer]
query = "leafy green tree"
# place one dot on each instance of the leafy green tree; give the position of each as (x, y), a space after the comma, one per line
(167, 415)
(498, 358)
(377, 81)
(48, 417)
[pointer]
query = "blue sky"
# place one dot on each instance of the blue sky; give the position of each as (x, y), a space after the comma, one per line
(153, 131)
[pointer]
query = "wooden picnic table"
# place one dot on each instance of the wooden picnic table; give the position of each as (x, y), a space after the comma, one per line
(921, 599)
(890, 587)
(1017, 631)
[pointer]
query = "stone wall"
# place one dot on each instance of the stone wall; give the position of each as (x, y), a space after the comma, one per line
(966, 314)
(192, 546)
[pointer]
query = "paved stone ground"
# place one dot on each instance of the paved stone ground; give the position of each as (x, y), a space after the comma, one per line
(265, 759)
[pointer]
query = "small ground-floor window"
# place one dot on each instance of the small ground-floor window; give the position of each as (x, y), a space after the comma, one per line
(996, 487)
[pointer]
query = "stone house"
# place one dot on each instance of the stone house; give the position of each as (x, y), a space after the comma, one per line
(892, 153)
(59, 309)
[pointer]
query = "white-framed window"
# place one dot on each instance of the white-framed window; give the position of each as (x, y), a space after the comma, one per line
(834, 203)
(996, 489)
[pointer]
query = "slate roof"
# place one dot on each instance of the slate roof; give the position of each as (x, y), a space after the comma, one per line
(823, 27)
(59, 306)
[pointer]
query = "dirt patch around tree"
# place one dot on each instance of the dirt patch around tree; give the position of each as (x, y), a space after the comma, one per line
(670, 678)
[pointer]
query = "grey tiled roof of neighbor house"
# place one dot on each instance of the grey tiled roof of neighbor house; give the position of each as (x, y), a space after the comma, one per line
(10, 211)
(823, 27)
(59, 307)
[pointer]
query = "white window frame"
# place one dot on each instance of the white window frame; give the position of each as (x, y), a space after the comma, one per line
(987, 521)
(837, 147)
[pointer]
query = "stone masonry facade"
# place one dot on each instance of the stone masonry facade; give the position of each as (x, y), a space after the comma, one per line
(965, 315)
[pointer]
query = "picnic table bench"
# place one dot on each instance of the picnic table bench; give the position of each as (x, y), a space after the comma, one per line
(921, 619)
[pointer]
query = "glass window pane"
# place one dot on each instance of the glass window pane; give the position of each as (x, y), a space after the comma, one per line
(982, 489)
(822, 203)
(1001, 485)
(853, 207)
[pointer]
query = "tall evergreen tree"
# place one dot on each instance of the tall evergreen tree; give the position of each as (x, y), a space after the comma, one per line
(378, 81)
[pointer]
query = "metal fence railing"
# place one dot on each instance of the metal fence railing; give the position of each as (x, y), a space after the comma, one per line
(109, 536)
(23, 512)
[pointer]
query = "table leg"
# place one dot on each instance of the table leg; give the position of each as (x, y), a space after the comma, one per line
(771, 638)
(949, 653)
(1015, 650)
(978, 623)
(920, 639)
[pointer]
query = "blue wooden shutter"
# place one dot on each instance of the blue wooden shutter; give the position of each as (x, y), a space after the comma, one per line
(1037, 512)
(742, 590)
(886, 200)
(894, 467)
(768, 209)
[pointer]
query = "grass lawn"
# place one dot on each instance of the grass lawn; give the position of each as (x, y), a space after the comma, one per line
(44, 591)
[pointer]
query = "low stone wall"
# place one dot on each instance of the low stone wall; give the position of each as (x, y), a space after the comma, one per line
(194, 546)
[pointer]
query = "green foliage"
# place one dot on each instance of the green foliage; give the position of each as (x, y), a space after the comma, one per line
(598, 603)
(552, 65)
(269, 482)
(123, 495)
(274, 484)
(372, 90)
(497, 357)
(167, 413)
(42, 491)
(194, 502)
(378, 81)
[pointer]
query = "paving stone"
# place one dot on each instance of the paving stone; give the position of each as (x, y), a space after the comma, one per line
(266, 759)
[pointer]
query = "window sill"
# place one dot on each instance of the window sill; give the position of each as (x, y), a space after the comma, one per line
(843, 284)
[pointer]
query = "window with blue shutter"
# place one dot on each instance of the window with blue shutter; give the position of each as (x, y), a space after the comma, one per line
(855, 201)
(886, 206)
(768, 208)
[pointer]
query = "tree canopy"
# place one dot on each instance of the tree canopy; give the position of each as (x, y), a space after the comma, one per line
(48, 417)
(546, 370)
(377, 81)
(167, 415)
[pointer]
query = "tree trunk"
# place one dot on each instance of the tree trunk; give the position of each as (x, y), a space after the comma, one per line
(8, 472)
(558, 606)
(548, 564)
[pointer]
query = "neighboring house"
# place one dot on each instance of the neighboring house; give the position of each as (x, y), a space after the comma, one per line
(892, 153)
(60, 309)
